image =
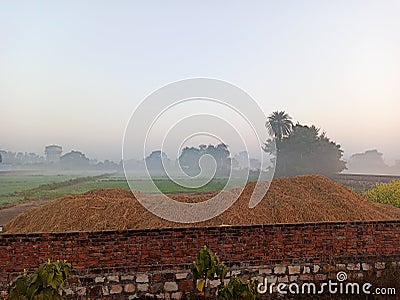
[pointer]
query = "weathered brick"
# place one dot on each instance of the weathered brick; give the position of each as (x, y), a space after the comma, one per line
(271, 278)
(156, 277)
(100, 259)
(341, 267)
(236, 272)
(328, 268)
(143, 287)
(113, 278)
(127, 277)
(99, 279)
(81, 291)
(353, 267)
(294, 270)
(170, 286)
(115, 289)
(105, 290)
(366, 267)
(280, 270)
(156, 287)
(69, 291)
(306, 277)
(320, 277)
(180, 276)
(316, 268)
(380, 265)
(214, 283)
(283, 279)
(94, 291)
(129, 288)
(176, 295)
(141, 278)
(185, 285)
(265, 271)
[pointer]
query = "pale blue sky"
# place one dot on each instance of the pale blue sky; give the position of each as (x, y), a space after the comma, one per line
(71, 72)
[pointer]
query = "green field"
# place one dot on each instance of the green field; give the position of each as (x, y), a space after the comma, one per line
(16, 187)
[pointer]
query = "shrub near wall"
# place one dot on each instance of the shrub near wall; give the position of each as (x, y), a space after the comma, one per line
(386, 193)
(120, 264)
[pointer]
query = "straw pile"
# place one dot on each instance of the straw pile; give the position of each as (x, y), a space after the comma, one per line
(308, 198)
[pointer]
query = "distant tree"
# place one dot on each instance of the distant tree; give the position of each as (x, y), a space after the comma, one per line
(305, 151)
(1, 159)
(189, 159)
(74, 159)
(106, 165)
(203, 148)
(156, 160)
(221, 155)
(279, 124)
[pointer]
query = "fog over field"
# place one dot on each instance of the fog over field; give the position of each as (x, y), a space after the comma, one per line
(73, 73)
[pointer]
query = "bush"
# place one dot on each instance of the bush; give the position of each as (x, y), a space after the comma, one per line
(208, 267)
(386, 193)
(47, 282)
(237, 289)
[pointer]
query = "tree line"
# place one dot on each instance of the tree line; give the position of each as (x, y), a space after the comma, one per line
(301, 149)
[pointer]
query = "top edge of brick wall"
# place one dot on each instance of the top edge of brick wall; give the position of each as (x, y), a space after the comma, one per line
(197, 228)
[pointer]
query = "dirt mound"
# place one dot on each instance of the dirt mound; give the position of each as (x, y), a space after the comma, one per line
(308, 198)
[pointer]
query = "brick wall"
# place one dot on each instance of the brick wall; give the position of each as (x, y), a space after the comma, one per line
(150, 261)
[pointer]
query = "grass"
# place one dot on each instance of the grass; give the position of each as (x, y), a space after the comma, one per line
(17, 188)
(14, 183)
(23, 187)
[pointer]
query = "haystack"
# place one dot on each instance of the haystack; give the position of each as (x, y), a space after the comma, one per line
(310, 198)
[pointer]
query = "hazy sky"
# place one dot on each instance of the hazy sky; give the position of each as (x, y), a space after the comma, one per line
(72, 72)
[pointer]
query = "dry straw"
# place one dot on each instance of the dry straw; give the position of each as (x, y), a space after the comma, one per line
(308, 198)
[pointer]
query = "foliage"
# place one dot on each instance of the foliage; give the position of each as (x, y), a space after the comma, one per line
(237, 289)
(74, 159)
(207, 266)
(279, 124)
(157, 162)
(47, 282)
(189, 159)
(305, 151)
(386, 193)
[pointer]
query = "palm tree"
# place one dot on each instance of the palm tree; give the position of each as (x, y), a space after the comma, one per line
(279, 124)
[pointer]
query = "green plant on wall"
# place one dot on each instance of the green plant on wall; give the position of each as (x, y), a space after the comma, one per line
(237, 289)
(206, 267)
(47, 282)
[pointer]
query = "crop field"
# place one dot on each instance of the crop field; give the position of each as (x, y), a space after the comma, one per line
(24, 186)
(17, 187)
(12, 185)
(308, 198)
